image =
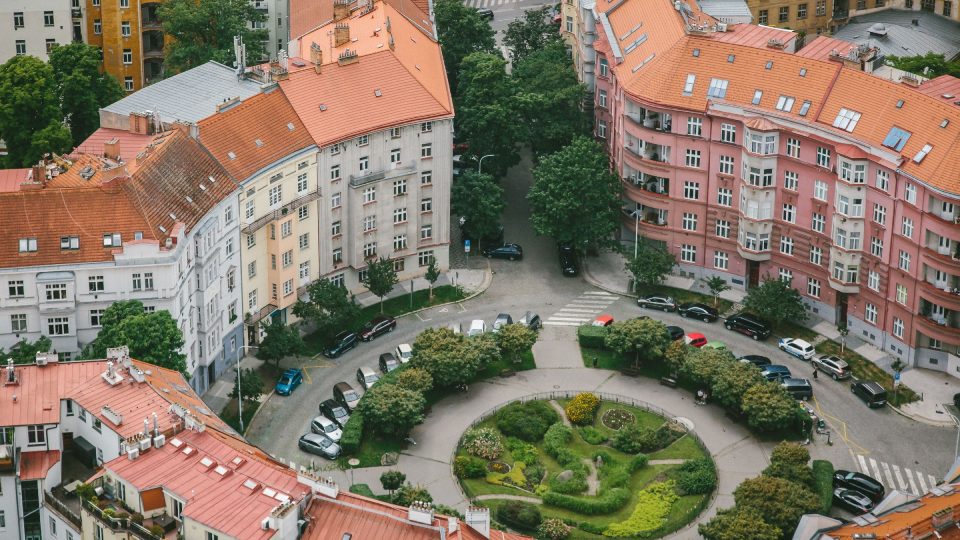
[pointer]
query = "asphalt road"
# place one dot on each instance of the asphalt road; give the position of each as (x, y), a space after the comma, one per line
(880, 438)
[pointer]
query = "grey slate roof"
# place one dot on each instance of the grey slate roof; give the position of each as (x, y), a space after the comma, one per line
(189, 96)
(732, 11)
(933, 33)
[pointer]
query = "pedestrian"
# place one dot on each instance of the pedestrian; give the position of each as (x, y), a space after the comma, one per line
(815, 372)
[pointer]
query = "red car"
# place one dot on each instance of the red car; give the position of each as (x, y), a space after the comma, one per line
(603, 320)
(695, 339)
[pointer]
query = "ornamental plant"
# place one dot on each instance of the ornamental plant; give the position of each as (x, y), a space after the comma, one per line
(483, 442)
(653, 505)
(582, 408)
(553, 529)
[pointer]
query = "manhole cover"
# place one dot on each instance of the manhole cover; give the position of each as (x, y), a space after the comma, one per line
(556, 387)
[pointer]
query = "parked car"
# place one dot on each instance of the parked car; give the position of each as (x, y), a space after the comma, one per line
(675, 332)
(343, 342)
(379, 325)
(290, 379)
(324, 426)
(492, 239)
(485, 13)
(512, 252)
(798, 388)
(870, 392)
(335, 412)
(776, 372)
(603, 320)
(532, 320)
(756, 359)
(502, 320)
(695, 339)
(698, 311)
(367, 377)
(833, 366)
(320, 445)
(718, 345)
(867, 485)
(664, 303)
(568, 260)
(477, 327)
(388, 363)
(748, 325)
(455, 328)
(797, 347)
(345, 395)
(404, 352)
(852, 501)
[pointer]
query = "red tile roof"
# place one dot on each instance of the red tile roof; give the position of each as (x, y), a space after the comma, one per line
(822, 47)
(911, 520)
(308, 15)
(34, 465)
(130, 144)
(751, 35)
(944, 85)
(10, 179)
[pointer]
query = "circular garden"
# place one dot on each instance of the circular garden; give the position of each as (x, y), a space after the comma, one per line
(585, 468)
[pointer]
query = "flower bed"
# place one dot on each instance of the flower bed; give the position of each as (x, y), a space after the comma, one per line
(617, 418)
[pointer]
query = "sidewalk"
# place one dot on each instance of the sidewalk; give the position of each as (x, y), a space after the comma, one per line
(216, 396)
(472, 281)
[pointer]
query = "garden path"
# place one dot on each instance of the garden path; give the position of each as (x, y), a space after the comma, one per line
(499, 497)
(666, 461)
(563, 414)
(593, 481)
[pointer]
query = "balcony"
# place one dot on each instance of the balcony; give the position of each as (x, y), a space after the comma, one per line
(252, 319)
(280, 212)
(941, 256)
(398, 169)
(7, 463)
(76, 13)
(650, 120)
(261, 4)
(944, 292)
(932, 328)
(645, 187)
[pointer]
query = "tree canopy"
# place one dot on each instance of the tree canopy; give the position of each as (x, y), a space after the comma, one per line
(150, 337)
(929, 65)
(330, 308)
(736, 524)
(647, 339)
(81, 88)
(479, 199)
(280, 341)
(534, 32)
(381, 278)
(769, 408)
(31, 121)
(389, 408)
(651, 265)
(461, 31)
(250, 385)
(515, 339)
(780, 502)
(203, 30)
(775, 301)
(450, 358)
(25, 352)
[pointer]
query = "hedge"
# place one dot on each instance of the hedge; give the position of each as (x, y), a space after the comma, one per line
(823, 483)
(607, 502)
(696, 476)
(556, 439)
(519, 515)
(591, 336)
(352, 434)
(653, 505)
(528, 421)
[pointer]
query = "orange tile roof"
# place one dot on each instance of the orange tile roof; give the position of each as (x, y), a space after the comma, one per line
(257, 132)
(751, 35)
(233, 500)
(943, 85)
(912, 517)
(10, 179)
(821, 48)
(308, 15)
(34, 465)
(131, 144)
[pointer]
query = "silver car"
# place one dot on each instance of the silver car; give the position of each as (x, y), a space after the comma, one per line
(833, 366)
(322, 425)
(502, 320)
(320, 445)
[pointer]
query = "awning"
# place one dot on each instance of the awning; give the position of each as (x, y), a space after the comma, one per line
(34, 465)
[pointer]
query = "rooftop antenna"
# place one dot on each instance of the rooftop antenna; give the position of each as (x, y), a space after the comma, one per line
(284, 59)
(240, 55)
(156, 429)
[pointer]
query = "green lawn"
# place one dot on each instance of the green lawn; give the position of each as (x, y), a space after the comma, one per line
(683, 448)
(792, 330)
(371, 448)
(683, 295)
(496, 368)
(230, 416)
(865, 369)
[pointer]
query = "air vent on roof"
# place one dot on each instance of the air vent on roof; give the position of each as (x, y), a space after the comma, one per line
(258, 142)
(323, 107)
(377, 92)
(290, 126)
(203, 411)
(299, 63)
(947, 96)
(231, 155)
(176, 443)
(86, 173)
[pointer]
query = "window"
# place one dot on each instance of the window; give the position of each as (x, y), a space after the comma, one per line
(726, 165)
(721, 260)
(823, 157)
(784, 14)
(364, 164)
(303, 212)
(48, 18)
(691, 190)
(273, 266)
(694, 126)
(723, 228)
(426, 232)
(301, 182)
(728, 133)
(802, 11)
(56, 291)
(602, 98)
(692, 158)
(883, 180)
(124, 3)
(251, 269)
(211, 536)
(879, 213)
(17, 19)
(125, 28)
(369, 223)
(757, 96)
(424, 258)
(793, 148)
(786, 275)
(758, 177)
(335, 150)
(18, 322)
(337, 256)
(817, 222)
(399, 215)
(288, 287)
(849, 207)
(846, 120)
(369, 195)
(718, 89)
(855, 173)
(789, 213)
(873, 280)
(763, 144)
(334, 172)
(363, 140)
(688, 86)
(790, 180)
(399, 242)
(395, 155)
(426, 127)
(604, 67)
(286, 228)
(251, 240)
(947, 8)
(910, 193)
(137, 282)
(36, 435)
(805, 108)
(762, 17)
(50, 42)
(370, 249)
(127, 56)
(275, 195)
(426, 178)
(426, 150)
(724, 196)
(689, 222)
(906, 228)
(876, 247)
(870, 313)
(901, 294)
(785, 103)
(112, 240)
(569, 24)
(904, 261)
(786, 245)
(304, 241)
(250, 208)
(755, 242)
(96, 315)
(816, 255)
(21, 47)
(688, 253)
(58, 326)
(602, 129)
(813, 287)
(304, 272)
(896, 138)
(395, 133)
(335, 228)
(426, 205)
(821, 8)
(820, 190)
(399, 187)
(335, 200)
(28, 245)
(252, 300)
(16, 288)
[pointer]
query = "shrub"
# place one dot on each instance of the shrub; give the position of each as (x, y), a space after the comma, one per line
(137, 518)
(409, 493)
(581, 409)
(519, 515)
(392, 480)
(608, 501)
(592, 435)
(352, 434)
(823, 484)
(603, 455)
(591, 336)
(789, 461)
(567, 458)
(521, 451)
(614, 476)
(634, 438)
(483, 442)
(653, 505)
(591, 528)
(534, 473)
(696, 476)
(575, 484)
(86, 491)
(528, 421)
(769, 408)
(469, 467)
(362, 489)
(556, 439)
(416, 379)
(157, 531)
(514, 474)
(638, 462)
(553, 529)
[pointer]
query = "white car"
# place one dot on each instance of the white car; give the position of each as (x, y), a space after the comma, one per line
(324, 426)
(404, 352)
(477, 327)
(797, 347)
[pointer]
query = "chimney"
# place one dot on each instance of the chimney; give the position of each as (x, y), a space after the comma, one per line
(39, 172)
(420, 512)
(117, 174)
(316, 56)
(341, 34)
(141, 123)
(347, 57)
(111, 149)
(478, 518)
(341, 10)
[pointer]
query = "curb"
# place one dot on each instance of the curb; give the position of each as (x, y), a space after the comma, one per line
(484, 285)
(922, 419)
(593, 281)
(254, 417)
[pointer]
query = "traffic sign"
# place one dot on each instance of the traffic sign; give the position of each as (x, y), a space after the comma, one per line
(466, 246)
(896, 378)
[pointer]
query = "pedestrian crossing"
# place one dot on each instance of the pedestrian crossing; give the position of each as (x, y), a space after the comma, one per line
(893, 477)
(487, 3)
(582, 310)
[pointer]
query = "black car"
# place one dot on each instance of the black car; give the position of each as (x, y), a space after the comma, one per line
(512, 252)
(379, 325)
(335, 412)
(657, 301)
(748, 325)
(698, 311)
(485, 13)
(852, 501)
(870, 392)
(756, 359)
(676, 332)
(341, 344)
(860, 482)
(568, 260)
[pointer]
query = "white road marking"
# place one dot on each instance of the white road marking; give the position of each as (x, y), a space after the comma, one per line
(933, 481)
(580, 319)
(900, 482)
(862, 461)
(599, 293)
(886, 473)
(560, 323)
(876, 469)
(589, 303)
(923, 485)
(913, 486)
(577, 310)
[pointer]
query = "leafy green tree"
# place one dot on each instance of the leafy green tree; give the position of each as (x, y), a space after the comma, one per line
(479, 199)
(703, 365)
(381, 278)
(389, 408)
(775, 301)
(651, 265)
(432, 275)
(769, 408)
(150, 337)
(462, 31)
(487, 111)
(330, 308)
(30, 117)
(203, 30)
(738, 523)
(482, 350)
(717, 285)
(647, 339)
(791, 461)
(450, 358)
(731, 382)
(408, 493)
(575, 198)
(534, 32)
(929, 65)
(250, 386)
(780, 502)
(676, 356)
(81, 88)
(280, 341)
(392, 480)
(25, 352)
(416, 379)
(515, 339)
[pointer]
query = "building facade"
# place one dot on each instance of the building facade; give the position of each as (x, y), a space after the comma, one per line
(33, 27)
(811, 17)
(131, 37)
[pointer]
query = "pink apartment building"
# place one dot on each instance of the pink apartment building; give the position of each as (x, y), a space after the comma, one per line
(750, 161)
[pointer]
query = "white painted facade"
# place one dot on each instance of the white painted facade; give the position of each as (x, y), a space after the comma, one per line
(29, 26)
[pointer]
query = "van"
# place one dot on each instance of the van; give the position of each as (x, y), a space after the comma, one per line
(798, 388)
(345, 395)
(477, 327)
(748, 325)
(404, 352)
(870, 392)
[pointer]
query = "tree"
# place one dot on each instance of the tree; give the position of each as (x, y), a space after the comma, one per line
(30, 117)
(731, 382)
(776, 301)
(389, 408)
(462, 31)
(150, 337)
(408, 493)
(717, 285)
(330, 308)
(203, 30)
(392, 480)
(651, 265)
(250, 386)
(738, 523)
(280, 341)
(780, 502)
(515, 339)
(479, 199)
(450, 358)
(769, 408)
(646, 338)
(81, 88)
(929, 65)
(676, 356)
(416, 379)
(432, 275)
(381, 278)
(575, 198)
(790, 461)
(534, 32)
(703, 365)
(25, 352)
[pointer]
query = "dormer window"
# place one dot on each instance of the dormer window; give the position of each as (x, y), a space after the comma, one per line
(922, 153)
(69, 242)
(112, 240)
(846, 120)
(28, 245)
(688, 86)
(718, 88)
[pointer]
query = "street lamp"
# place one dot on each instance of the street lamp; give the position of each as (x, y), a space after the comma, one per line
(480, 165)
(956, 447)
(636, 232)
(239, 387)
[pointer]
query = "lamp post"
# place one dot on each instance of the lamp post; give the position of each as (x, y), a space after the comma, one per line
(239, 387)
(480, 164)
(956, 447)
(636, 232)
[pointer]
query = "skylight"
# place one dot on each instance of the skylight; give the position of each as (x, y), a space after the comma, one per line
(945, 123)
(897, 138)
(175, 442)
(718, 88)
(785, 103)
(731, 58)
(696, 53)
(756, 97)
(922, 153)
(206, 462)
(251, 484)
(231, 155)
(846, 120)
(688, 87)
(804, 108)
(769, 65)
(899, 103)
(803, 72)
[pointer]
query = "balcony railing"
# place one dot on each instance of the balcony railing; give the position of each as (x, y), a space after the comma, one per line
(61, 508)
(399, 168)
(253, 319)
(118, 524)
(280, 212)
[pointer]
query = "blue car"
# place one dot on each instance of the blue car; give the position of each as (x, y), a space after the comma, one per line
(289, 380)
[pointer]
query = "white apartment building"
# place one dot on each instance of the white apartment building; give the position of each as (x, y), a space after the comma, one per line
(277, 25)
(32, 27)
